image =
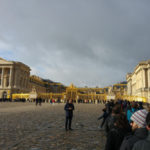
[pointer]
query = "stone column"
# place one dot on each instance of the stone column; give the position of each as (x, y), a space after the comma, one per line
(148, 77)
(15, 78)
(148, 84)
(143, 78)
(2, 77)
(10, 77)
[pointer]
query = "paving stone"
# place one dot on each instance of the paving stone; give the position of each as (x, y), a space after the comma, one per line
(23, 126)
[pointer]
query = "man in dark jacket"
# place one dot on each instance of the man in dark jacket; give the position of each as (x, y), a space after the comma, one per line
(144, 144)
(69, 107)
(138, 127)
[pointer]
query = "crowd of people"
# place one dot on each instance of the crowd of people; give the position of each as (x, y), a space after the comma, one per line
(127, 126)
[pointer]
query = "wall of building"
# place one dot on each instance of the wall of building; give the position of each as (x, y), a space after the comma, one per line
(37, 83)
(138, 82)
(14, 78)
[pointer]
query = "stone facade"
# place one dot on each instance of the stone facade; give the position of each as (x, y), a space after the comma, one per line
(116, 91)
(37, 83)
(14, 78)
(138, 82)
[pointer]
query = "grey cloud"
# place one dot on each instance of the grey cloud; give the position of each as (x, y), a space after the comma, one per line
(84, 41)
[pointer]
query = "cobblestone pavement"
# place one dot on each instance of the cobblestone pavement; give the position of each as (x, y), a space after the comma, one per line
(24, 126)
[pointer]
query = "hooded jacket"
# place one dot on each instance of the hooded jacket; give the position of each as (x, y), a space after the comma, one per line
(115, 138)
(129, 141)
(143, 144)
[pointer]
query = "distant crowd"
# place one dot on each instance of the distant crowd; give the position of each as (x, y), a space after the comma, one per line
(127, 125)
(54, 100)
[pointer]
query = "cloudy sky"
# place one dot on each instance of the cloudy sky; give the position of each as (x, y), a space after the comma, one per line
(85, 42)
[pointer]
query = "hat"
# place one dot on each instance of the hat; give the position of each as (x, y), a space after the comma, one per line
(139, 117)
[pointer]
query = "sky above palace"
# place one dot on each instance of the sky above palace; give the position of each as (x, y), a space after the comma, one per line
(85, 42)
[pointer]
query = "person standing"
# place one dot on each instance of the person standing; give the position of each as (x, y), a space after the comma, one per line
(117, 133)
(139, 130)
(103, 116)
(69, 107)
(40, 101)
(131, 110)
(111, 116)
(144, 144)
(36, 101)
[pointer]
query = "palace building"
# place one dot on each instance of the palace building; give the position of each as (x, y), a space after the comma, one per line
(138, 82)
(17, 83)
(15, 78)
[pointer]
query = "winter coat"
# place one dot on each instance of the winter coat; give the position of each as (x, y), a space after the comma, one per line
(69, 113)
(143, 144)
(104, 115)
(115, 138)
(109, 123)
(129, 141)
(130, 113)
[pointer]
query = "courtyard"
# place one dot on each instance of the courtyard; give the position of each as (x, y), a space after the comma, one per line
(24, 126)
